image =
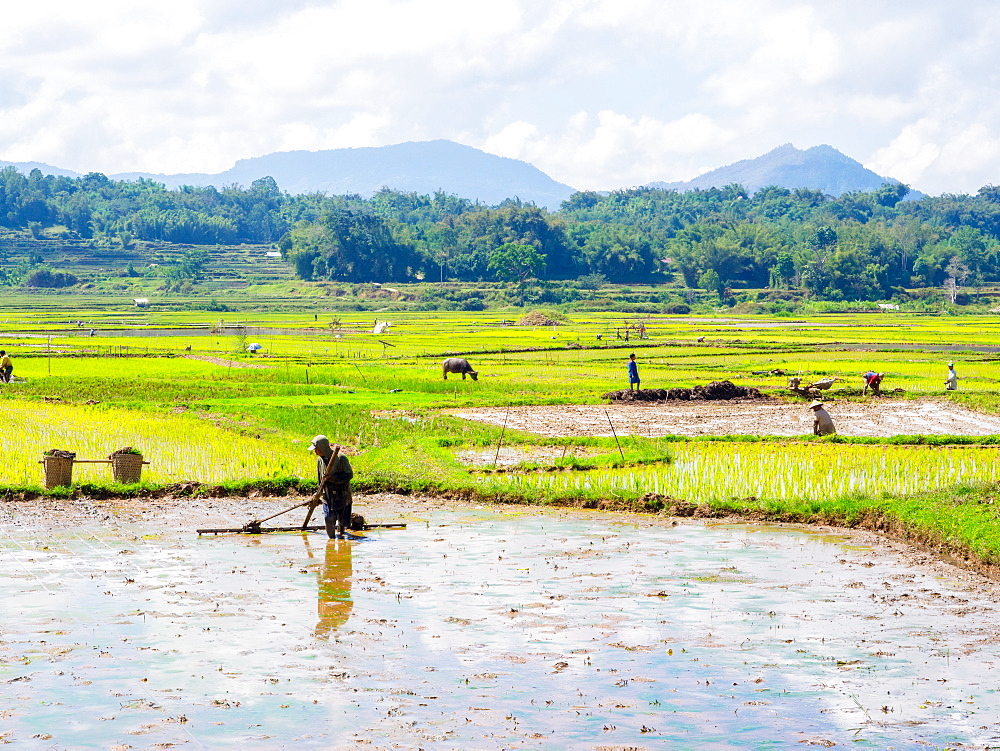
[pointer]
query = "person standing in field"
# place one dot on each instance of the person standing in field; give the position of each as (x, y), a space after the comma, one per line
(952, 383)
(633, 372)
(822, 422)
(336, 493)
(6, 367)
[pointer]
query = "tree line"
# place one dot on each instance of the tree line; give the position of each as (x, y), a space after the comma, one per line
(858, 246)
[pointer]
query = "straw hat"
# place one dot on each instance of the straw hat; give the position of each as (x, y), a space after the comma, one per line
(322, 443)
(815, 404)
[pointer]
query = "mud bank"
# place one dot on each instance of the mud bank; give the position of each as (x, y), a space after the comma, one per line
(882, 418)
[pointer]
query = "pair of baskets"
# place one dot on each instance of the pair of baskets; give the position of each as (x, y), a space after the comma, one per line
(125, 468)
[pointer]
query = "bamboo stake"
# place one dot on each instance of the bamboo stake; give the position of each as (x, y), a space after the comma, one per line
(500, 442)
(615, 434)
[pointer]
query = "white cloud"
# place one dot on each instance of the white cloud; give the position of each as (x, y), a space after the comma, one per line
(795, 52)
(613, 150)
(599, 93)
(941, 156)
(909, 155)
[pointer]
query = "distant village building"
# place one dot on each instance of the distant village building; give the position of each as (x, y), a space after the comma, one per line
(887, 306)
(273, 254)
(141, 302)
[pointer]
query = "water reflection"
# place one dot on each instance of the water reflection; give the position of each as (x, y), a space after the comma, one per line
(489, 628)
(333, 596)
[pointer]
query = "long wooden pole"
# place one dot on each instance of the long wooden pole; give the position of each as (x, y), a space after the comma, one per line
(313, 502)
(253, 526)
(500, 442)
(615, 434)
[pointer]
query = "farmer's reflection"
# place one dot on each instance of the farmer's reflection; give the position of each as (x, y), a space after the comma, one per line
(334, 601)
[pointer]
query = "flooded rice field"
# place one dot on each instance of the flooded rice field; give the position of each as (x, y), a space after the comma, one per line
(486, 628)
(144, 331)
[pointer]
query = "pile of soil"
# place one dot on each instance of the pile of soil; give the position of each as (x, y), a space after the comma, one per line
(537, 318)
(716, 390)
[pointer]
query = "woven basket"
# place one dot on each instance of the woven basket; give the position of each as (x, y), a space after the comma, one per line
(58, 471)
(126, 468)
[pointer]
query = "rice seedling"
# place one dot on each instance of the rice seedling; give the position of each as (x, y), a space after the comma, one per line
(178, 447)
(760, 472)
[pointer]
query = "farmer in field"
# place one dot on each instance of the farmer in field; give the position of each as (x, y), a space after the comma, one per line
(952, 383)
(6, 367)
(873, 381)
(633, 372)
(822, 423)
(336, 495)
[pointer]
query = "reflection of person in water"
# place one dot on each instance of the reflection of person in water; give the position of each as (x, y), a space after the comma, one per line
(334, 601)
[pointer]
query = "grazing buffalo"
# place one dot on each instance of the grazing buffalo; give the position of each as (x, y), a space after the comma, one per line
(458, 365)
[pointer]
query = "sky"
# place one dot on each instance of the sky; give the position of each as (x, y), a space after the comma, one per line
(599, 94)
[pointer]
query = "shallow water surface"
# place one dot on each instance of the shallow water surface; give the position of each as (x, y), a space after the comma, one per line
(483, 628)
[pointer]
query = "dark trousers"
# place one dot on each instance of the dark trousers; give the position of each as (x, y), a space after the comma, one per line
(339, 514)
(5, 373)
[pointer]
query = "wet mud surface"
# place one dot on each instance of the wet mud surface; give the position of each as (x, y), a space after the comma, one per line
(227, 363)
(481, 627)
(879, 418)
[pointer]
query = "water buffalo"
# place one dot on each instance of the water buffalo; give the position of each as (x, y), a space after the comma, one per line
(458, 365)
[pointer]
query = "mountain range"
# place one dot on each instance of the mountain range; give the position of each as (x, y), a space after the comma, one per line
(429, 166)
(417, 166)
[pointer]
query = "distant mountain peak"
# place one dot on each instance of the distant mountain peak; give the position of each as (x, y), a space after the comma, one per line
(819, 167)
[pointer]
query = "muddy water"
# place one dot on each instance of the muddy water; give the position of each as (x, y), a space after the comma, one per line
(483, 628)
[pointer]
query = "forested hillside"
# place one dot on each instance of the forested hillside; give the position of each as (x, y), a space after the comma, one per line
(859, 246)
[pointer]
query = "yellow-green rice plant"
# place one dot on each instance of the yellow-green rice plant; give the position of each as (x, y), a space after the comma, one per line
(178, 447)
(704, 472)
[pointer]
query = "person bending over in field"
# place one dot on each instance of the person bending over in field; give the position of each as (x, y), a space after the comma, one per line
(822, 422)
(336, 493)
(6, 367)
(873, 381)
(633, 372)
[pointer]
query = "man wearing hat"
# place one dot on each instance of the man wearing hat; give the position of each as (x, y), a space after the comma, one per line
(822, 424)
(336, 495)
(952, 383)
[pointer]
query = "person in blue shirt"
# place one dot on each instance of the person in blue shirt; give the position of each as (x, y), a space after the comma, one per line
(633, 372)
